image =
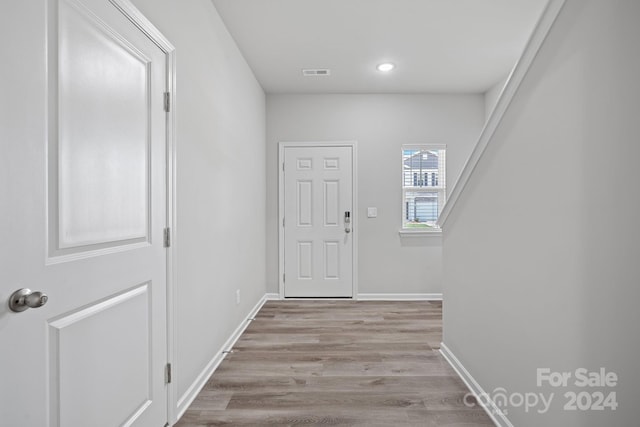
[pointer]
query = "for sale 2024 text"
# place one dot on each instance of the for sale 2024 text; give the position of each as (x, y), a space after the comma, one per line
(584, 400)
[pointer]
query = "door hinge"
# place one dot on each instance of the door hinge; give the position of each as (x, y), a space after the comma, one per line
(167, 237)
(283, 277)
(283, 222)
(167, 374)
(283, 167)
(167, 101)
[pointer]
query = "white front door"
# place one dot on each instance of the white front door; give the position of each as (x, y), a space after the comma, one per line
(318, 221)
(83, 212)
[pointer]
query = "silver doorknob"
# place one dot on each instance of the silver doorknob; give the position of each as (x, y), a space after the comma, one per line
(25, 298)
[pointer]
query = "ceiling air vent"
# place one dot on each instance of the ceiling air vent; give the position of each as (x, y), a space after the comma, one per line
(316, 72)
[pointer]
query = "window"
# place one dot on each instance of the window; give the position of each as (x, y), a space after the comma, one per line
(423, 186)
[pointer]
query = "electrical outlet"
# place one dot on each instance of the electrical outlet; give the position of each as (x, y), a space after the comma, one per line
(237, 296)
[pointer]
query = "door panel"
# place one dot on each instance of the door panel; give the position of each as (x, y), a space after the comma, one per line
(305, 261)
(304, 203)
(83, 222)
(332, 260)
(103, 132)
(331, 203)
(318, 252)
(96, 330)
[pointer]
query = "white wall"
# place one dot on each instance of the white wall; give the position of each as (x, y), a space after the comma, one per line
(491, 96)
(541, 253)
(380, 124)
(220, 137)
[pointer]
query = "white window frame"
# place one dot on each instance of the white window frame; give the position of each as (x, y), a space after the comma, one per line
(441, 188)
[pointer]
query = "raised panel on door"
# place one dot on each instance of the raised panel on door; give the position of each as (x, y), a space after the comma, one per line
(124, 373)
(100, 136)
(103, 134)
(331, 260)
(305, 260)
(304, 203)
(331, 203)
(318, 251)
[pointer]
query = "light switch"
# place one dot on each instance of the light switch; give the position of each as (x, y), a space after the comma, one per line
(372, 212)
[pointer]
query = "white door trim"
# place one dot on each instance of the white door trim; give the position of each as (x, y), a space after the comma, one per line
(137, 18)
(354, 217)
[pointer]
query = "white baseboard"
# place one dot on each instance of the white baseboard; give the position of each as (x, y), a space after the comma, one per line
(494, 412)
(192, 392)
(399, 297)
(367, 297)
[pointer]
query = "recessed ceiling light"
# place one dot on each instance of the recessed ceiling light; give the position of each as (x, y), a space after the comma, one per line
(386, 67)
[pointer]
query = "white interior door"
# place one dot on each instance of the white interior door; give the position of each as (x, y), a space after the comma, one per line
(83, 218)
(318, 225)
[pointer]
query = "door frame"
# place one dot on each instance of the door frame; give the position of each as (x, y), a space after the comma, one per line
(132, 13)
(354, 203)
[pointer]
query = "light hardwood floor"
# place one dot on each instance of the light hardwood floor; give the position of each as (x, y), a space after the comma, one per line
(366, 363)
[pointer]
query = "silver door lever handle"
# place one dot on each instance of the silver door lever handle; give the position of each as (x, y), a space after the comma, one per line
(24, 298)
(347, 222)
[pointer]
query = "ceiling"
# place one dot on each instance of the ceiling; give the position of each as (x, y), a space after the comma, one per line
(438, 46)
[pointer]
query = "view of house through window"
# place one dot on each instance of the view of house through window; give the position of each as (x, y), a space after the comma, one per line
(423, 185)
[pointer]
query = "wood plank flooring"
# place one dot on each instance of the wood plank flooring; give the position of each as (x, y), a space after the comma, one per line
(357, 363)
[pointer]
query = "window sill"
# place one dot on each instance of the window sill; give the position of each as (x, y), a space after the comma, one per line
(419, 233)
